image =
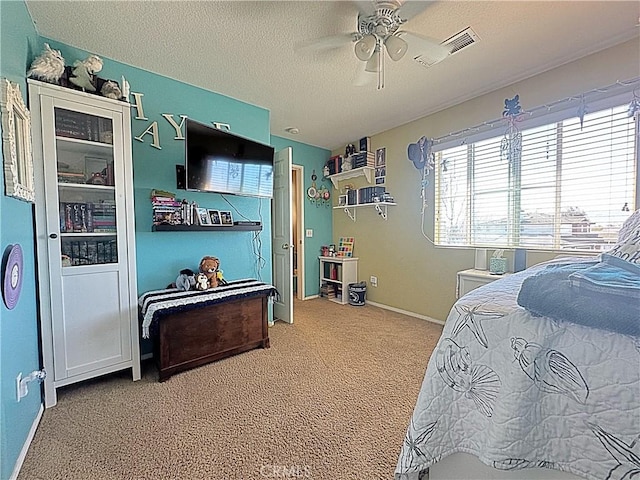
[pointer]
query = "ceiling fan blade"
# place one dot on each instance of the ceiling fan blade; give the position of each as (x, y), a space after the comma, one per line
(325, 43)
(428, 48)
(411, 8)
(365, 7)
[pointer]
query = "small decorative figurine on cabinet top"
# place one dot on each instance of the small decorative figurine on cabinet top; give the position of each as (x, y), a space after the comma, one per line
(83, 73)
(48, 66)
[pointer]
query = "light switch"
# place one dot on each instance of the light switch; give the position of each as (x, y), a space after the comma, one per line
(309, 232)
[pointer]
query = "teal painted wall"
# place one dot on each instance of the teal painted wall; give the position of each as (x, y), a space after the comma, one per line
(316, 217)
(161, 255)
(18, 327)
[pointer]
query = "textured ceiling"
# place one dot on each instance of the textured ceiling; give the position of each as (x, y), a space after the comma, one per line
(245, 50)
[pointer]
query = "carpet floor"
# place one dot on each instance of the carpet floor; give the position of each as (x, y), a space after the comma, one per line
(331, 399)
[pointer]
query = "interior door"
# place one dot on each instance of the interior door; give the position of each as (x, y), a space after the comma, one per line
(282, 241)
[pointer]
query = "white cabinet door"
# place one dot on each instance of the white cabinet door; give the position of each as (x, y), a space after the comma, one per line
(93, 331)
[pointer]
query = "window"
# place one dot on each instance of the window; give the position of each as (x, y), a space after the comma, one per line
(569, 187)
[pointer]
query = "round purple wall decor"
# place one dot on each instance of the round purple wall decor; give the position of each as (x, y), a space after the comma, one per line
(12, 275)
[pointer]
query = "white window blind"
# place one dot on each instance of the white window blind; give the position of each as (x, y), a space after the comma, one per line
(570, 188)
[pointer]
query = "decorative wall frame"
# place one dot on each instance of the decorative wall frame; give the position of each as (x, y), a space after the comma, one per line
(16, 143)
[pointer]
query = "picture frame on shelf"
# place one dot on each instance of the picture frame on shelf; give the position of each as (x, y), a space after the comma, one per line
(342, 200)
(226, 218)
(381, 154)
(204, 220)
(380, 174)
(214, 216)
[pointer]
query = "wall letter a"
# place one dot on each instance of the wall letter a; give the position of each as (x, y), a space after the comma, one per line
(153, 131)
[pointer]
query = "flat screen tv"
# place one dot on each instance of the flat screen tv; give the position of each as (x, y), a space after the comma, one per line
(221, 162)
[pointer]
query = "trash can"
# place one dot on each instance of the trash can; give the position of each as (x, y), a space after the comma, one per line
(357, 293)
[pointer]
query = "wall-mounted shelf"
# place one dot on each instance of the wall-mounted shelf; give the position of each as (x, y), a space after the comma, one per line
(200, 228)
(355, 172)
(380, 207)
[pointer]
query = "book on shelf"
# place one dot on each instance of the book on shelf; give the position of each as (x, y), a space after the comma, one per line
(76, 217)
(335, 164)
(161, 201)
(365, 144)
(82, 126)
(71, 177)
(90, 252)
(163, 194)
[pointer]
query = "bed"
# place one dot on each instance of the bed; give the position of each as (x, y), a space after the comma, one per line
(536, 375)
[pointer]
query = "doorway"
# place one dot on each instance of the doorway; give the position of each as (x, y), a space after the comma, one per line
(297, 213)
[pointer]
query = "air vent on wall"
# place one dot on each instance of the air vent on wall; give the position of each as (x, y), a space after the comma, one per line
(454, 44)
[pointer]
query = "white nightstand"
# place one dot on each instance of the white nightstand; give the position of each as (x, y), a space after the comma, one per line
(472, 278)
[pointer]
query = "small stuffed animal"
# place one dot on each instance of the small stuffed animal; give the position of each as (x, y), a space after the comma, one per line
(201, 282)
(221, 280)
(111, 89)
(209, 266)
(186, 280)
(48, 67)
(83, 74)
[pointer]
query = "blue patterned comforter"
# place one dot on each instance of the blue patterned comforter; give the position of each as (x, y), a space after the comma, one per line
(519, 391)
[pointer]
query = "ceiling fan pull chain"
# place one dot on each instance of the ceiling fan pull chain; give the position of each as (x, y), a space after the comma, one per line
(381, 68)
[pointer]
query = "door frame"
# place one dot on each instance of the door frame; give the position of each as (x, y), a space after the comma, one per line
(300, 227)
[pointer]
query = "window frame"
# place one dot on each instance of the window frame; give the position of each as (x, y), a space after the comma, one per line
(495, 131)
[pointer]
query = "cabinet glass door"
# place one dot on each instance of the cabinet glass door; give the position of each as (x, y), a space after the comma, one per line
(86, 188)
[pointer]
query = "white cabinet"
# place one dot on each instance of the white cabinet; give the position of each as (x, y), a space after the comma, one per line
(84, 235)
(336, 273)
(472, 278)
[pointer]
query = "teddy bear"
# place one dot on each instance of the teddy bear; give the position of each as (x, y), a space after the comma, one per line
(209, 266)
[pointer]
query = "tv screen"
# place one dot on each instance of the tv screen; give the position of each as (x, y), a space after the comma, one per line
(221, 162)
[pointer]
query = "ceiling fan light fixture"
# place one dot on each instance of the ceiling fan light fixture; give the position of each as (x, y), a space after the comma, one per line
(396, 47)
(365, 47)
(373, 65)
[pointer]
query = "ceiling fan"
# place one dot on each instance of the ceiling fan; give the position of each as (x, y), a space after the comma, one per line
(379, 30)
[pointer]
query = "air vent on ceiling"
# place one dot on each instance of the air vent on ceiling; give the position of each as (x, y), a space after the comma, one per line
(461, 40)
(454, 44)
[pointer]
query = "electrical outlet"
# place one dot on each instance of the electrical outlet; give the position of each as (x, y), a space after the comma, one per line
(373, 281)
(309, 232)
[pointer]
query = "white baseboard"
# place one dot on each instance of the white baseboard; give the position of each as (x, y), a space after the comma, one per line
(405, 312)
(27, 444)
